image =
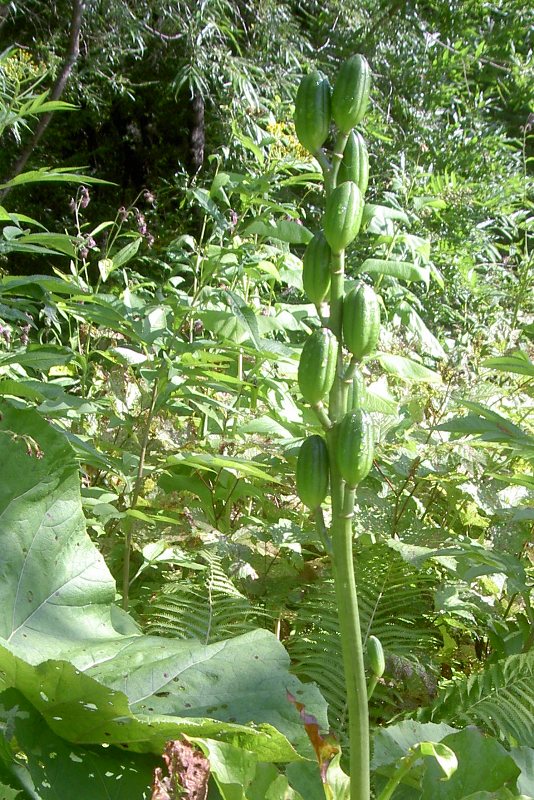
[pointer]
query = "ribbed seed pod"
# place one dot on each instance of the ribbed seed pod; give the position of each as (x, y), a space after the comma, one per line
(313, 111)
(343, 216)
(355, 164)
(356, 393)
(355, 447)
(317, 366)
(350, 97)
(313, 471)
(361, 321)
(316, 269)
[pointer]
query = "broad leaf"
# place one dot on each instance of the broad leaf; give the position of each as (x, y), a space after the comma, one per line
(408, 370)
(392, 743)
(282, 230)
(483, 765)
(524, 758)
(51, 175)
(403, 270)
(39, 758)
(57, 596)
(39, 356)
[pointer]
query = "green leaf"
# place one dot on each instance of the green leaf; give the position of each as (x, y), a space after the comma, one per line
(52, 175)
(443, 756)
(57, 599)
(517, 362)
(232, 767)
(500, 698)
(8, 216)
(126, 253)
(375, 401)
(54, 401)
(408, 370)
(483, 765)
(282, 230)
(524, 758)
(305, 778)
(52, 766)
(378, 219)
(415, 323)
(105, 267)
(50, 559)
(490, 427)
(269, 784)
(42, 283)
(210, 207)
(82, 710)
(213, 463)
(39, 356)
(392, 743)
(266, 426)
(403, 270)
(59, 242)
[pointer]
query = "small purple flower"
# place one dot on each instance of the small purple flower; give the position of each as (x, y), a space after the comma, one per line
(24, 331)
(141, 224)
(84, 197)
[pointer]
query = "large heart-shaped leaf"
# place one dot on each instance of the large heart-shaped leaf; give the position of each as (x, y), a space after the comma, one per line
(57, 595)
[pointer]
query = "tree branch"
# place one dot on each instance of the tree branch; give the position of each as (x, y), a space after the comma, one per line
(71, 57)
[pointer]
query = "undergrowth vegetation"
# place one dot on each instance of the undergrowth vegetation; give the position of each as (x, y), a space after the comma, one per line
(161, 580)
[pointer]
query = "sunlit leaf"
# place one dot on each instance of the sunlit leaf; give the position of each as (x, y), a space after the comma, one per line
(408, 370)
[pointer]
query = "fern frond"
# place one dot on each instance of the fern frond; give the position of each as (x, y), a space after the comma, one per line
(396, 603)
(500, 699)
(209, 609)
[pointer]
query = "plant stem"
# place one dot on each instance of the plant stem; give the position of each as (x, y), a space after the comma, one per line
(337, 158)
(135, 496)
(322, 531)
(404, 767)
(326, 167)
(322, 416)
(337, 271)
(341, 534)
(351, 637)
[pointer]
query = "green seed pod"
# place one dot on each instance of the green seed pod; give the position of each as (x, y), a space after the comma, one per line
(317, 366)
(355, 447)
(313, 472)
(343, 216)
(350, 97)
(313, 111)
(376, 656)
(357, 392)
(316, 269)
(355, 164)
(361, 321)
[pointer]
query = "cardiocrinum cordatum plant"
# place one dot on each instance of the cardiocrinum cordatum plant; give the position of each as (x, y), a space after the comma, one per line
(329, 376)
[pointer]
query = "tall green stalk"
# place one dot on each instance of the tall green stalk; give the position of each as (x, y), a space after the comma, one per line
(350, 454)
(350, 632)
(343, 564)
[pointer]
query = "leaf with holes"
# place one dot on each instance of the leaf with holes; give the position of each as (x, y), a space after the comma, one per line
(57, 595)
